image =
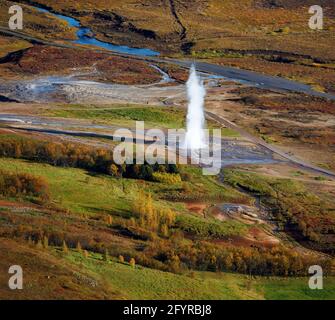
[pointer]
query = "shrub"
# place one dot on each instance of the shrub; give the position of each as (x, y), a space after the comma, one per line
(205, 228)
(251, 99)
(284, 30)
(185, 176)
(169, 178)
(113, 170)
(23, 184)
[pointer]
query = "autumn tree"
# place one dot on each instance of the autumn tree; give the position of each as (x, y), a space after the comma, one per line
(113, 170)
(174, 263)
(39, 244)
(109, 220)
(45, 242)
(106, 255)
(164, 230)
(30, 241)
(79, 248)
(65, 247)
(132, 262)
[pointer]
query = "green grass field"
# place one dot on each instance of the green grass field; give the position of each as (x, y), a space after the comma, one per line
(126, 115)
(144, 283)
(69, 188)
(206, 228)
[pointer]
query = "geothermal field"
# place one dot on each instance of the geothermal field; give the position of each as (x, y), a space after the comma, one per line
(165, 150)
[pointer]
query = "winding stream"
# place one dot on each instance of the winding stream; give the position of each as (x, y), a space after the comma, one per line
(85, 38)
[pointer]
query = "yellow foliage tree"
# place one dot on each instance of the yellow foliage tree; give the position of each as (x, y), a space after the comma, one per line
(45, 242)
(79, 249)
(132, 262)
(65, 248)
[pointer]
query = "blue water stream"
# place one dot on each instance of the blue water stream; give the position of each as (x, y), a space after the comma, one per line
(85, 38)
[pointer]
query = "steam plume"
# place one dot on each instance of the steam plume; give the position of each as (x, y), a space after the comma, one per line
(195, 137)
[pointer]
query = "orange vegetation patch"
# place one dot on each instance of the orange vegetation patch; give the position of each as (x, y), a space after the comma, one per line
(44, 60)
(260, 236)
(255, 237)
(218, 214)
(5, 131)
(195, 207)
(10, 204)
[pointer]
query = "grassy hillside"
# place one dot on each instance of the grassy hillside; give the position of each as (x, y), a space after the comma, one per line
(51, 274)
(47, 276)
(200, 285)
(64, 236)
(69, 188)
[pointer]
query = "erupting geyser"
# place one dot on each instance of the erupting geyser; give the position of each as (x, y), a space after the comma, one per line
(195, 135)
